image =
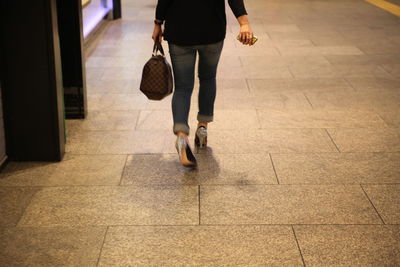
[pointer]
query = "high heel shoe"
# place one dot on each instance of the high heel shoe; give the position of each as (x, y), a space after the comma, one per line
(185, 153)
(201, 137)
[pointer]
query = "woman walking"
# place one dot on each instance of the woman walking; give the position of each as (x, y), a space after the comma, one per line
(191, 27)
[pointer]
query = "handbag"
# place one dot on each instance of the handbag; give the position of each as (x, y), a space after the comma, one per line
(157, 81)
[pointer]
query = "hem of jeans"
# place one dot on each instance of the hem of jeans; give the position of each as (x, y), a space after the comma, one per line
(180, 127)
(204, 118)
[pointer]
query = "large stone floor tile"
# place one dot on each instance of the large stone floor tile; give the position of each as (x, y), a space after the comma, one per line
(392, 118)
(133, 142)
(50, 246)
(105, 120)
(282, 100)
(337, 168)
(268, 86)
(109, 101)
(271, 140)
(354, 101)
(301, 71)
(72, 170)
(200, 246)
(358, 245)
(224, 119)
(116, 205)
(282, 61)
(212, 169)
(375, 84)
(286, 204)
(386, 200)
(366, 139)
(319, 119)
(113, 87)
(393, 69)
(13, 202)
(84, 142)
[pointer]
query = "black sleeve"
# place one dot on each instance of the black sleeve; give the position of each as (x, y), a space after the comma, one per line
(237, 7)
(161, 9)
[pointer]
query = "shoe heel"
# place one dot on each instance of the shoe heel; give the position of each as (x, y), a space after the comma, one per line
(201, 138)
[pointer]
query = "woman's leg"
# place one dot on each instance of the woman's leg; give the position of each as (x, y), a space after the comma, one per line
(209, 56)
(183, 63)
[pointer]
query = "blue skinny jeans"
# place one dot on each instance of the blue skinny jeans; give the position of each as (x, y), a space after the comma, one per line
(183, 64)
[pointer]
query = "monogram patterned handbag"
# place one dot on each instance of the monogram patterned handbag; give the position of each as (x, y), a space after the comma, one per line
(157, 81)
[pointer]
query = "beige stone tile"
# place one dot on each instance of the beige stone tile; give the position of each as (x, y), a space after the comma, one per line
(84, 142)
(201, 246)
(112, 205)
(154, 120)
(319, 119)
(268, 86)
(230, 119)
(261, 62)
(283, 204)
(266, 140)
(72, 170)
(366, 140)
(337, 168)
(386, 200)
(231, 84)
(225, 119)
(375, 84)
(358, 245)
(282, 100)
(113, 62)
(212, 169)
(313, 71)
(393, 69)
(355, 100)
(392, 118)
(363, 59)
(282, 28)
(132, 142)
(105, 120)
(116, 102)
(94, 73)
(113, 87)
(321, 50)
(13, 202)
(50, 246)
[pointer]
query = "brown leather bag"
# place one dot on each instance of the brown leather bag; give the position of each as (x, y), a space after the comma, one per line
(157, 81)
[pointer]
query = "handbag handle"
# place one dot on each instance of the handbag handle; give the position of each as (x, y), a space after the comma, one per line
(158, 47)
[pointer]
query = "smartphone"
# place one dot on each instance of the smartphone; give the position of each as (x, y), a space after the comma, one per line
(253, 40)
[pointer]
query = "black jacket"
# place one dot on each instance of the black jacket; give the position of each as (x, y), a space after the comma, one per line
(195, 22)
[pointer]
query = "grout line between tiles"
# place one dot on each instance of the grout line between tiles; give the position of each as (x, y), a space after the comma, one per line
(208, 225)
(26, 207)
(308, 100)
(199, 205)
(248, 86)
(370, 201)
(273, 166)
(102, 245)
(193, 185)
(350, 84)
(327, 132)
(123, 170)
(298, 246)
(282, 153)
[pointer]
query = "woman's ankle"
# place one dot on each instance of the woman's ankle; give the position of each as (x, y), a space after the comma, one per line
(204, 124)
(183, 134)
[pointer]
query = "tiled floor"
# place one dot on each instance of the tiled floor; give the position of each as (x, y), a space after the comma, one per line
(302, 168)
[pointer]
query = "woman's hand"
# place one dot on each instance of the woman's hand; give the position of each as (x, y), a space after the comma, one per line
(157, 33)
(246, 34)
